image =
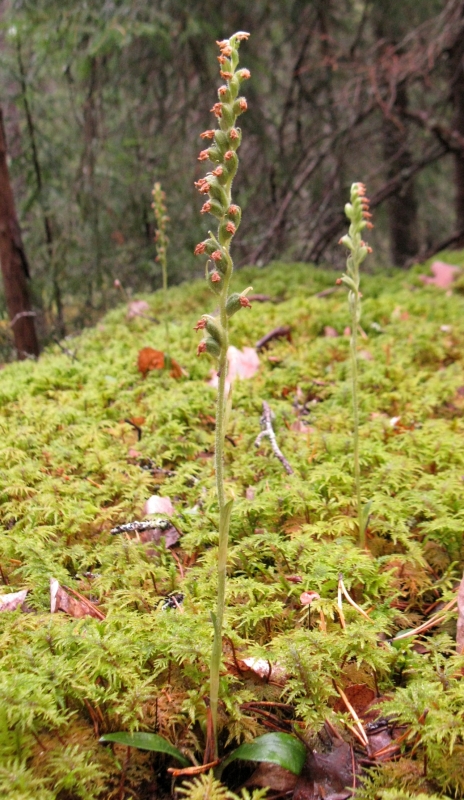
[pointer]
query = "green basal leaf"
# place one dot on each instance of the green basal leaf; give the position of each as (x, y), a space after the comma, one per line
(274, 748)
(146, 741)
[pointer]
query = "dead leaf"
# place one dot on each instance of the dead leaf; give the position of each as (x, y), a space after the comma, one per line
(136, 308)
(158, 505)
(460, 627)
(242, 364)
(60, 600)
(443, 275)
(13, 600)
(360, 695)
(250, 493)
(150, 359)
(300, 427)
(327, 775)
(273, 776)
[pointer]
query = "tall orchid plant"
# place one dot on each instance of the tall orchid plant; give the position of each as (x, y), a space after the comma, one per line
(217, 186)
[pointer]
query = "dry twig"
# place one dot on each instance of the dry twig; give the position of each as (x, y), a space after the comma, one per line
(266, 423)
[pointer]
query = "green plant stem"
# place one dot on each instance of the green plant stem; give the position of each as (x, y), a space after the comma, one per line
(354, 384)
(223, 518)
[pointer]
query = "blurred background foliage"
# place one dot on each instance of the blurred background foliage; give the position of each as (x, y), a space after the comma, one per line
(103, 97)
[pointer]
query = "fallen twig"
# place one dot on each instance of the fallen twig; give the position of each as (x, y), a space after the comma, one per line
(266, 423)
(283, 331)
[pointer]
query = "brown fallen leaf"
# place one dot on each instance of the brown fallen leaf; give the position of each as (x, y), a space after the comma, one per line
(150, 359)
(273, 776)
(460, 626)
(13, 600)
(78, 607)
(360, 696)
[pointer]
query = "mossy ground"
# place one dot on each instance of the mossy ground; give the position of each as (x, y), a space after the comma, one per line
(67, 477)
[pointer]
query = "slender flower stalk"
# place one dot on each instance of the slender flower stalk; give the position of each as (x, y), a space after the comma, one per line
(217, 186)
(161, 242)
(357, 211)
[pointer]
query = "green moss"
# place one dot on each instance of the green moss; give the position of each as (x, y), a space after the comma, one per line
(66, 478)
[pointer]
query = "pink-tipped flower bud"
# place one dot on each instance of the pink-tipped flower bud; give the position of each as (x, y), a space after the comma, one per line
(218, 171)
(221, 59)
(205, 188)
(241, 36)
(200, 182)
(206, 208)
(234, 134)
(217, 255)
(223, 43)
(204, 155)
(217, 110)
(222, 91)
(201, 347)
(207, 134)
(200, 249)
(244, 74)
(226, 76)
(230, 228)
(244, 302)
(215, 277)
(230, 154)
(233, 210)
(369, 225)
(200, 325)
(242, 104)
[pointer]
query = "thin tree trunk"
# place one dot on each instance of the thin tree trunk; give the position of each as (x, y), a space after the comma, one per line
(38, 175)
(15, 269)
(457, 94)
(402, 206)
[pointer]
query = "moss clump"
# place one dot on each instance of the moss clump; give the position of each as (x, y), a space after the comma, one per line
(68, 476)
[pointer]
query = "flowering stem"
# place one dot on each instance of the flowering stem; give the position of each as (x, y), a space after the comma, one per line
(218, 186)
(354, 388)
(357, 211)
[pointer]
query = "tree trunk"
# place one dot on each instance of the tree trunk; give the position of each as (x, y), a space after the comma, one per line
(402, 207)
(457, 94)
(15, 269)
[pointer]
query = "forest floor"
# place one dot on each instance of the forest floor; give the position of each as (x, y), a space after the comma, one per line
(86, 440)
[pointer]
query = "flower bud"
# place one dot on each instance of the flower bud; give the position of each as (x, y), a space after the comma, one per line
(226, 76)
(212, 347)
(217, 110)
(240, 106)
(235, 303)
(221, 141)
(204, 155)
(217, 193)
(228, 114)
(214, 329)
(243, 74)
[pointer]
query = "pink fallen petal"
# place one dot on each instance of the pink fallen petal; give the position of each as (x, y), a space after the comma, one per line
(158, 505)
(13, 600)
(250, 493)
(242, 364)
(306, 598)
(443, 275)
(331, 332)
(137, 307)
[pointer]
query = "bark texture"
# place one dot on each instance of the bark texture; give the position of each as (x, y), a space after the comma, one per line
(14, 265)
